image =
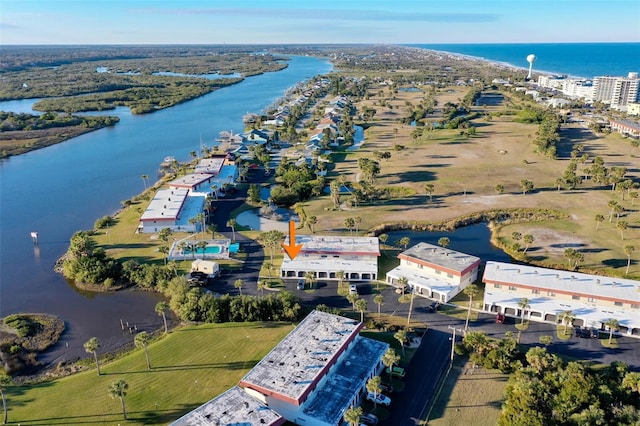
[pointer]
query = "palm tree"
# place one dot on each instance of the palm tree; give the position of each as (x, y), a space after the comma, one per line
(214, 191)
(141, 341)
(352, 416)
(352, 297)
(201, 245)
(161, 307)
(429, 189)
(200, 219)
(389, 359)
(472, 291)
(404, 242)
(350, 223)
(528, 240)
(144, 181)
(268, 266)
(401, 336)
(238, 284)
(403, 281)
(599, 220)
(91, 346)
(340, 277)
(628, 250)
(4, 381)
(357, 221)
(444, 242)
(622, 226)
(612, 323)
(310, 277)
(262, 284)
(373, 386)
(383, 238)
(567, 318)
(378, 299)
(612, 205)
(311, 221)
(231, 223)
(119, 390)
(523, 303)
(361, 305)
(631, 381)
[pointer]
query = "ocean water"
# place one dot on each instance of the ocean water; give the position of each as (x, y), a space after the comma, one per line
(574, 59)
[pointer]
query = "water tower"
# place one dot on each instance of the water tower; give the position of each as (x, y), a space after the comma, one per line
(531, 59)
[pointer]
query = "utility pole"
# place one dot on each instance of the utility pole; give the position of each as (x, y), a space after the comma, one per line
(453, 340)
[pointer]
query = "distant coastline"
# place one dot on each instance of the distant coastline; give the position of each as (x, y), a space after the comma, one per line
(583, 60)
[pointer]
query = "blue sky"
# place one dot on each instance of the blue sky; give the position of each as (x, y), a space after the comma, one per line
(327, 21)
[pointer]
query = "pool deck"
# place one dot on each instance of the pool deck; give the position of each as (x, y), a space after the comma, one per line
(175, 254)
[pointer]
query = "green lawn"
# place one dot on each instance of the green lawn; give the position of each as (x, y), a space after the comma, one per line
(469, 397)
(191, 365)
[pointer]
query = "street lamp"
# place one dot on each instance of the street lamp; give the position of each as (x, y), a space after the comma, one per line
(453, 339)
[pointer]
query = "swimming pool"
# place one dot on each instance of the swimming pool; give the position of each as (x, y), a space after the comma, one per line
(207, 250)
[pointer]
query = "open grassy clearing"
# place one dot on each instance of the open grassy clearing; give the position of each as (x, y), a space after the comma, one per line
(465, 171)
(191, 365)
(469, 397)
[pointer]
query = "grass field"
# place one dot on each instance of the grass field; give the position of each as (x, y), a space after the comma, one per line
(191, 365)
(469, 397)
(465, 171)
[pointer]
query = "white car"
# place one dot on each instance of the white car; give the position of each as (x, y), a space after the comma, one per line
(379, 399)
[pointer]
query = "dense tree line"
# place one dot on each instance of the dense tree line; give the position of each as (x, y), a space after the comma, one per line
(295, 183)
(548, 129)
(10, 121)
(85, 263)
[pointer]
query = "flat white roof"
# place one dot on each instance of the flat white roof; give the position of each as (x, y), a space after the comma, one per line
(424, 281)
(298, 362)
(234, 407)
(211, 166)
(166, 204)
(440, 256)
(308, 263)
(563, 281)
(318, 244)
(190, 180)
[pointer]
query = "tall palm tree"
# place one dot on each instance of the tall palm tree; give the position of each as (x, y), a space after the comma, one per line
(141, 341)
(310, 278)
(628, 250)
(389, 359)
(403, 281)
(238, 284)
(231, 223)
(612, 205)
(429, 189)
(361, 305)
(622, 226)
(201, 245)
(119, 390)
(599, 220)
(472, 291)
(352, 297)
(340, 277)
(4, 381)
(378, 299)
(268, 266)
(401, 336)
(262, 284)
(352, 416)
(373, 386)
(567, 318)
(612, 323)
(91, 346)
(200, 217)
(144, 181)
(161, 307)
(523, 303)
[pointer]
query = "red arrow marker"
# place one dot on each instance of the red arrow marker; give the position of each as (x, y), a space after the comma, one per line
(292, 249)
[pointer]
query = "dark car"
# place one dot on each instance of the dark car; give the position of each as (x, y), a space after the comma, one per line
(433, 307)
(595, 333)
(585, 333)
(300, 285)
(386, 388)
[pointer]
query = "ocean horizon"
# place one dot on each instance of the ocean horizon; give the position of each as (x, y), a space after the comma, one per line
(586, 60)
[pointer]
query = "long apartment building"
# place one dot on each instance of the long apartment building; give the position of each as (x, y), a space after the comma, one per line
(435, 272)
(326, 256)
(592, 299)
(310, 378)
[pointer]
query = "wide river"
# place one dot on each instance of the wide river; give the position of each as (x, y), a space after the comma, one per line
(60, 189)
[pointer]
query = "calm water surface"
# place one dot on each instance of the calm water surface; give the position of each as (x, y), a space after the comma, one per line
(66, 187)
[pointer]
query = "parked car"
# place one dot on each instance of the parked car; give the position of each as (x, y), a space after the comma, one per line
(433, 307)
(386, 388)
(585, 333)
(396, 371)
(595, 333)
(353, 289)
(379, 398)
(500, 318)
(300, 285)
(369, 419)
